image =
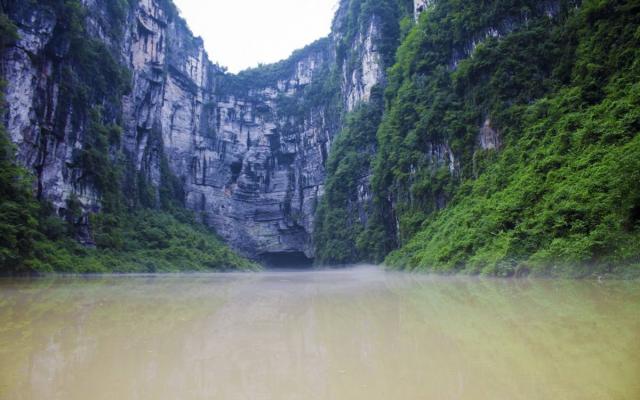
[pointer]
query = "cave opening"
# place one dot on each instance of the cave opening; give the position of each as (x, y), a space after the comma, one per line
(286, 260)
(236, 169)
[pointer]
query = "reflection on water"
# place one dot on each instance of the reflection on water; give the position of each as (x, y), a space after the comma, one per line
(351, 334)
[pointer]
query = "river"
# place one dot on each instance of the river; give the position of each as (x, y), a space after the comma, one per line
(359, 333)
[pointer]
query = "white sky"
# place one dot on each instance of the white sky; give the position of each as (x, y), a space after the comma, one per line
(239, 34)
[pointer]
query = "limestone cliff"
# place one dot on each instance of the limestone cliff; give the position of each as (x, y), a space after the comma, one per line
(246, 152)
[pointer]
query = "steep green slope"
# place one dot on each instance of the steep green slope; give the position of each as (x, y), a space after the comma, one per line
(347, 230)
(561, 196)
(340, 234)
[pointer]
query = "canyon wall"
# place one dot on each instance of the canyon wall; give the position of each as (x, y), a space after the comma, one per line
(246, 152)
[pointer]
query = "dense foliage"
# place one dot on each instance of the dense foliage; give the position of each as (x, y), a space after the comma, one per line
(562, 195)
(340, 233)
(556, 83)
(347, 230)
(18, 210)
(139, 241)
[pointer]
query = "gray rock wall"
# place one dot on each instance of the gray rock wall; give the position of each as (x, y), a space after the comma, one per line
(250, 167)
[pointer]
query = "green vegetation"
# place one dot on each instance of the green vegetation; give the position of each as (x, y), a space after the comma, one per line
(268, 75)
(18, 209)
(347, 228)
(558, 82)
(408, 182)
(141, 241)
(18, 224)
(34, 239)
(340, 229)
(146, 230)
(356, 16)
(562, 196)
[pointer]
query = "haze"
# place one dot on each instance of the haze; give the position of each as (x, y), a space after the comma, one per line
(242, 34)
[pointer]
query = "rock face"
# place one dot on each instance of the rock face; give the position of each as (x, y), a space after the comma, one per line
(248, 154)
(32, 105)
(488, 137)
(420, 6)
(257, 171)
(369, 72)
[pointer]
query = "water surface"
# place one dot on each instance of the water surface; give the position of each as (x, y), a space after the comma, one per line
(352, 334)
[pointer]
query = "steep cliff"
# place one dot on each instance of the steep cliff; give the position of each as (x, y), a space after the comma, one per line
(451, 134)
(479, 160)
(443, 119)
(247, 153)
(345, 231)
(510, 139)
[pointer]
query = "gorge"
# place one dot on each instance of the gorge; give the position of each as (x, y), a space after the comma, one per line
(378, 141)
(247, 151)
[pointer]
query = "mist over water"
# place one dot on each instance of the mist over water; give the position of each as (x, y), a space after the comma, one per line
(359, 333)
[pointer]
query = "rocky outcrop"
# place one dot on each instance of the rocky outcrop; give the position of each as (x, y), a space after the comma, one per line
(32, 106)
(420, 6)
(488, 137)
(249, 155)
(501, 28)
(358, 81)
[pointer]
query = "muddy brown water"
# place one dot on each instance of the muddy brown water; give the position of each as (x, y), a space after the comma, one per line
(359, 333)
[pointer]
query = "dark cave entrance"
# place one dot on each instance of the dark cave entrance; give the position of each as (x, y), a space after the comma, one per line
(286, 260)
